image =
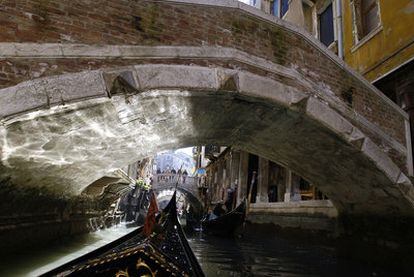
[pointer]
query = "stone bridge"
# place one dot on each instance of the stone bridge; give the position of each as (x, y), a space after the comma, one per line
(169, 181)
(90, 88)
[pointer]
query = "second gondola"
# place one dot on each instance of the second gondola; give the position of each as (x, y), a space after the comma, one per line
(226, 224)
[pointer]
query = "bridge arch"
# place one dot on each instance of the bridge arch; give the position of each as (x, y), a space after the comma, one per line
(109, 118)
(153, 75)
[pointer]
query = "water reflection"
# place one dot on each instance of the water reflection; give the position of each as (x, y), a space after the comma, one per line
(33, 262)
(274, 257)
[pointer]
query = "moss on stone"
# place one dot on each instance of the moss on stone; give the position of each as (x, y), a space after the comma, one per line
(41, 17)
(277, 40)
(149, 23)
(19, 200)
(241, 25)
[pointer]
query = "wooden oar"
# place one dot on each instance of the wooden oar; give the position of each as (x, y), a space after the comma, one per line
(249, 195)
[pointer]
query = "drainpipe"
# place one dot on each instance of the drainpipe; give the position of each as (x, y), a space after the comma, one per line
(340, 29)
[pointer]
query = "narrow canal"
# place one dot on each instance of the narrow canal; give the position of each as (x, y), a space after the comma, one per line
(258, 256)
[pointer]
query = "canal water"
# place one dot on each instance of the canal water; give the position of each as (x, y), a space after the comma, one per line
(263, 256)
(260, 256)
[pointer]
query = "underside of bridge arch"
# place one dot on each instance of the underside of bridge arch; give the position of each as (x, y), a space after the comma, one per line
(98, 121)
(164, 195)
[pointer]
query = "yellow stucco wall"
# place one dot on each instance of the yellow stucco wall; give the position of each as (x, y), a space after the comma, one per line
(390, 47)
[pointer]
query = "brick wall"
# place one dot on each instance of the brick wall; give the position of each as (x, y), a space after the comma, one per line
(168, 23)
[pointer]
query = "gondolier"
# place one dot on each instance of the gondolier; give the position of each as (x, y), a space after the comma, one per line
(225, 225)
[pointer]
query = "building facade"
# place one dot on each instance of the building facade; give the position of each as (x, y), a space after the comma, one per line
(378, 37)
(276, 194)
(265, 180)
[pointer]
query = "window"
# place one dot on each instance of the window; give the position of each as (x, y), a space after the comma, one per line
(366, 17)
(285, 7)
(326, 26)
(279, 7)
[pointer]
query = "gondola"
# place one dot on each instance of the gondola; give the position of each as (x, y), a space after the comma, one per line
(226, 224)
(165, 252)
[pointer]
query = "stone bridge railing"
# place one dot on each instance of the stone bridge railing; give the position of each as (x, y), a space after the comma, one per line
(169, 180)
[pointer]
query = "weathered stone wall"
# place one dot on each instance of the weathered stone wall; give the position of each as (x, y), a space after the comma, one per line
(306, 215)
(220, 23)
(301, 221)
(34, 215)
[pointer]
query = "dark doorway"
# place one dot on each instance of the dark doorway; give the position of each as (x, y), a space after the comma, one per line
(252, 176)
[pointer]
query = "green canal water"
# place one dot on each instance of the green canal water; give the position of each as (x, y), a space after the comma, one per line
(258, 256)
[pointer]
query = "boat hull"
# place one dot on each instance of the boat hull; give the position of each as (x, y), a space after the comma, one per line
(227, 224)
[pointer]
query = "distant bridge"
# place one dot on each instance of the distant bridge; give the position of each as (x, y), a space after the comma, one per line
(187, 186)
